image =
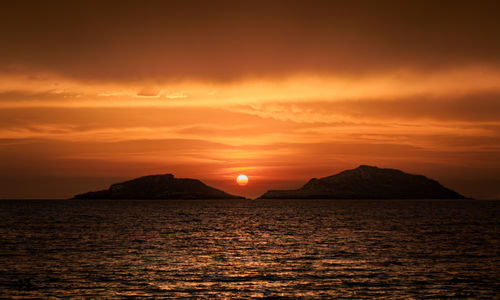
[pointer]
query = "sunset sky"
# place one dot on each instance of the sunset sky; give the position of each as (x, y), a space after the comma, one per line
(92, 93)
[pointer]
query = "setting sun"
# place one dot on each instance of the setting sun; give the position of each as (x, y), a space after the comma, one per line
(371, 131)
(242, 180)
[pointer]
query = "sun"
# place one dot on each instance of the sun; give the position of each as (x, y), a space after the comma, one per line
(242, 180)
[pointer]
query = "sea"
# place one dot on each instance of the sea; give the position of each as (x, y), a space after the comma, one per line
(244, 249)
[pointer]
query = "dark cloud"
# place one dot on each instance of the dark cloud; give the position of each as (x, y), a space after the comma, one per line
(118, 40)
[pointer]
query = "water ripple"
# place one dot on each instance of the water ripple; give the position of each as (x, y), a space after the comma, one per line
(249, 249)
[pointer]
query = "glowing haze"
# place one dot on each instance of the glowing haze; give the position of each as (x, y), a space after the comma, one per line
(281, 91)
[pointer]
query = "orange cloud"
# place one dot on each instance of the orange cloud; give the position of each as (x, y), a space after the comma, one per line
(282, 91)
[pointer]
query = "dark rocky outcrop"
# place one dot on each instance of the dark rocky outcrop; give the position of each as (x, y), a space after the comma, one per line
(367, 182)
(159, 187)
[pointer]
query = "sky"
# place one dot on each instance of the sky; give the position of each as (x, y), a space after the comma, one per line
(96, 92)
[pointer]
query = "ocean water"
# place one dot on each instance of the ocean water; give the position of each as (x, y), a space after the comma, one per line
(250, 249)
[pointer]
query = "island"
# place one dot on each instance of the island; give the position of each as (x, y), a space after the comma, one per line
(368, 182)
(159, 187)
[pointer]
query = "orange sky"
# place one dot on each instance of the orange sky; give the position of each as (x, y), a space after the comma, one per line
(281, 91)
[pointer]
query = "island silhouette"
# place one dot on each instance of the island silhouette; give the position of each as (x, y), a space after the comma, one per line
(363, 182)
(368, 182)
(159, 187)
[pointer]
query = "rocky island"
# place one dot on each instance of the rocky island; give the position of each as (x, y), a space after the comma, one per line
(368, 182)
(159, 187)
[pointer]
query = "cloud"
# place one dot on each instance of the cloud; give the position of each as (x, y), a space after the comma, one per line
(227, 40)
(478, 108)
(22, 91)
(176, 95)
(280, 89)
